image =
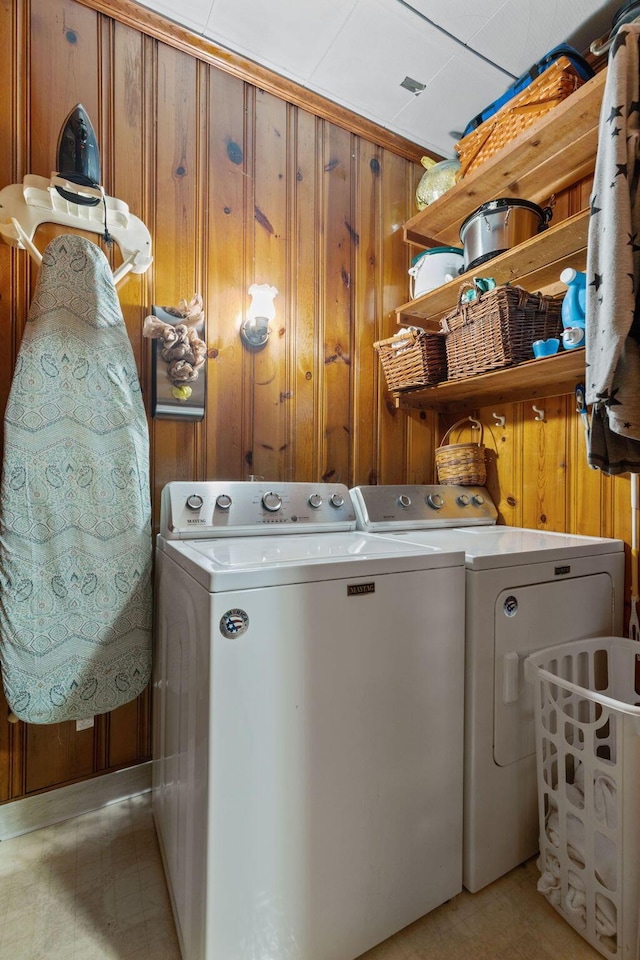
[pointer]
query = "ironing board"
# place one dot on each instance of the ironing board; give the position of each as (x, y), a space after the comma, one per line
(75, 534)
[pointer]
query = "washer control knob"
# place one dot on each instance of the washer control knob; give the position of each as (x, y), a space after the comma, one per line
(336, 500)
(463, 500)
(223, 501)
(478, 499)
(435, 501)
(272, 501)
(315, 501)
(194, 502)
(404, 500)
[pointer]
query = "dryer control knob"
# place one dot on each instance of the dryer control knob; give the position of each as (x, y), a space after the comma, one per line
(404, 501)
(462, 500)
(336, 500)
(315, 501)
(272, 501)
(194, 502)
(435, 501)
(223, 501)
(478, 499)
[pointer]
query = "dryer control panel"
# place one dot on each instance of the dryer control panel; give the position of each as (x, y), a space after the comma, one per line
(215, 508)
(422, 506)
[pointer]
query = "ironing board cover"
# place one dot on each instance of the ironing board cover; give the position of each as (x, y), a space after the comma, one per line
(75, 536)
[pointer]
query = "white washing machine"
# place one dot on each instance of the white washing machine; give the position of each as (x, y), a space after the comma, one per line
(308, 725)
(525, 589)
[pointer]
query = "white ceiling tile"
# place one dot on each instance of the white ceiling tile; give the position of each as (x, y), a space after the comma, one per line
(190, 13)
(436, 117)
(290, 36)
(358, 52)
(522, 31)
(378, 47)
(463, 18)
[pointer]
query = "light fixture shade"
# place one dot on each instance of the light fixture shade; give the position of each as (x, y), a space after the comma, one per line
(254, 331)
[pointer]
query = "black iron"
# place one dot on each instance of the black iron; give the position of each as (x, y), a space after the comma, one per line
(78, 157)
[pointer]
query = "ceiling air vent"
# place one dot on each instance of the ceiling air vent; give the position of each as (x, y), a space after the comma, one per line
(413, 86)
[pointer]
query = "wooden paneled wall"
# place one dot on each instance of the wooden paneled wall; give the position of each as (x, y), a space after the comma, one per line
(237, 186)
(239, 183)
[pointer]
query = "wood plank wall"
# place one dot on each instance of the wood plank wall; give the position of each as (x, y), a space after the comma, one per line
(239, 185)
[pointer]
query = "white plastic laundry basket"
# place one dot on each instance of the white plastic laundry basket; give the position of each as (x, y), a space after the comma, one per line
(587, 718)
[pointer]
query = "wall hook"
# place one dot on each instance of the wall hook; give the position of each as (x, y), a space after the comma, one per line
(539, 413)
(500, 420)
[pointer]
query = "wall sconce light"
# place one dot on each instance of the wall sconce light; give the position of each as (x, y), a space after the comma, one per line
(254, 331)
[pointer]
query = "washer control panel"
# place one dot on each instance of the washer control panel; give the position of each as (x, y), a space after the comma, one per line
(215, 508)
(419, 506)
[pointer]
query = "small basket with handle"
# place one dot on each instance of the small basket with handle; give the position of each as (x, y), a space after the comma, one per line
(413, 358)
(462, 463)
(496, 328)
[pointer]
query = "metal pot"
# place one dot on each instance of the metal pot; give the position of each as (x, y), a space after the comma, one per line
(498, 225)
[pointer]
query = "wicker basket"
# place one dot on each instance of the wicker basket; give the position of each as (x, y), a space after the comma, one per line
(462, 463)
(544, 93)
(413, 358)
(497, 329)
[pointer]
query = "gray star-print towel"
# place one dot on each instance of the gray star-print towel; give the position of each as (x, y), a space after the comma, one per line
(613, 267)
(75, 533)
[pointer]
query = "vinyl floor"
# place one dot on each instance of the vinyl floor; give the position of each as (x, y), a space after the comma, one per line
(93, 888)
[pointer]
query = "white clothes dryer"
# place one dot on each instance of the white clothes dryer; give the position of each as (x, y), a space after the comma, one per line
(308, 732)
(525, 590)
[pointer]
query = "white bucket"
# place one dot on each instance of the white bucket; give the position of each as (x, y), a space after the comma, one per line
(432, 268)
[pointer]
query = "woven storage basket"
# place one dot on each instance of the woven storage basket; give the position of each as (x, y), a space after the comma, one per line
(413, 358)
(497, 329)
(462, 463)
(544, 93)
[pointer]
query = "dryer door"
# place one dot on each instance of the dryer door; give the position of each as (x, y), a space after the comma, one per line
(529, 618)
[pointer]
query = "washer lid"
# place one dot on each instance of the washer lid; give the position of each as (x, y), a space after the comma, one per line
(490, 547)
(243, 563)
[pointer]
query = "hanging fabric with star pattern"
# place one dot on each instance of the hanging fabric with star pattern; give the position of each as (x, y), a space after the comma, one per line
(613, 267)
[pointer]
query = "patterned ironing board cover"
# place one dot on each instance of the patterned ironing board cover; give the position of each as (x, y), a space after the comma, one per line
(75, 515)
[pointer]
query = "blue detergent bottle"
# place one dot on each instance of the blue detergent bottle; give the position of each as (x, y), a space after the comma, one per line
(573, 307)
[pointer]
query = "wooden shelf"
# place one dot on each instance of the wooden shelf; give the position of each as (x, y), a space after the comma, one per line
(549, 377)
(535, 265)
(551, 154)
